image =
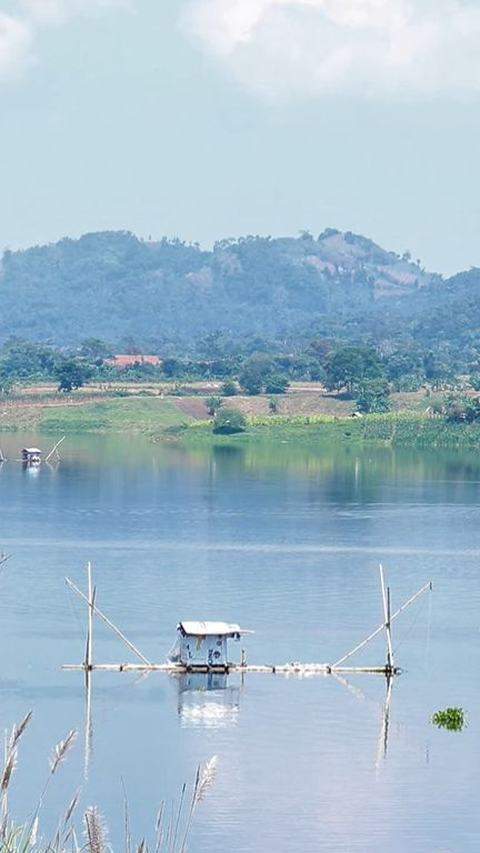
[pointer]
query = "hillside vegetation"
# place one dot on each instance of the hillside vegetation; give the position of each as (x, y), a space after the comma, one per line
(167, 295)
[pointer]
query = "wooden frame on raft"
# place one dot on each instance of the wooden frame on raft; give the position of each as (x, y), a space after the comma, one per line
(388, 669)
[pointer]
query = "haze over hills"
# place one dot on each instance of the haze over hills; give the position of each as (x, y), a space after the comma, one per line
(168, 294)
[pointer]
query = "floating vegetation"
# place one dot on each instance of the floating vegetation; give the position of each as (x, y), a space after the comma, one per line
(453, 719)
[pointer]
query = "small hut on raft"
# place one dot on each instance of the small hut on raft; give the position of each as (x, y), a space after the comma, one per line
(31, 456)
(202, 645)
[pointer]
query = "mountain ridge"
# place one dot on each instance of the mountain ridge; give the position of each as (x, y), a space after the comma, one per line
(115, 286)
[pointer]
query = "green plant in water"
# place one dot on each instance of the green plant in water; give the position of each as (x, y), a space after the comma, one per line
(453, 719)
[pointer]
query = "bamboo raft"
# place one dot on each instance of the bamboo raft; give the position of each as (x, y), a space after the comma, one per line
(388, 669)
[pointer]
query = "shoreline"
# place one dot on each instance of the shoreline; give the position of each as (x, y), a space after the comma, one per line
(163, 417)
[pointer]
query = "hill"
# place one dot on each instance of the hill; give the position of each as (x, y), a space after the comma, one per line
(167, 294)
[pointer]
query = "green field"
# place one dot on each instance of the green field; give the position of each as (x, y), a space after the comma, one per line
(133, 414)
(392, 430)
(163, 418)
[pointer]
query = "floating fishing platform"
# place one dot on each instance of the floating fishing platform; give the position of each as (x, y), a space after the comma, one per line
(32, 457)
(202, 646)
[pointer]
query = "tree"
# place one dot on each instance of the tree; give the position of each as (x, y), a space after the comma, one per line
(171, 367)
(213, 404)
(349, 366)
(255, 370)
(95, 349)
(276, 383)
(458, 408)
(251, 382)
(228, 421)
(6, 383)
(71, 374)
(210, 345)
(229, 388)
(21, 359)
(373, 396)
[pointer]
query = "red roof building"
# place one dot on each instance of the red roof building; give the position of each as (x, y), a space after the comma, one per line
(123, 361)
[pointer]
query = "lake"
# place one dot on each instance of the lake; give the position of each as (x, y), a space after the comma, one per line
(284, 539)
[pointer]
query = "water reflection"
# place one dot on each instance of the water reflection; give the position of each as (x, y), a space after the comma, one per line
(284, 538)
(383, 737)
(206, 700)
(360, 695)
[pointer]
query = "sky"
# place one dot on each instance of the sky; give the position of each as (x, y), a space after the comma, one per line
(207, 119)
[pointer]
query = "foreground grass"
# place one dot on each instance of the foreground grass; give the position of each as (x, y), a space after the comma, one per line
(171, 830)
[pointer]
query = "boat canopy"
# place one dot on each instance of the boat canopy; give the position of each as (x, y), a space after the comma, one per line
(31, 450)
(207, 629)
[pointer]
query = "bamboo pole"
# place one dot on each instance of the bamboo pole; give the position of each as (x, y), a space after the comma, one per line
(55, 448)
(91, 604)
(386, 616)
(360, 646)
(283, 669)
(383, 625)
(88, 724)
(109, 623)
(411, 600)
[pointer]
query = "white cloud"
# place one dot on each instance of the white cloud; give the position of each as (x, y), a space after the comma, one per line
(18, 29)
(367, 47)
(15, 44)
(59, 11)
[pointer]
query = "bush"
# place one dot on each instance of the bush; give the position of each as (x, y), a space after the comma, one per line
(229, 388)
(373, 397)
(276, 383)
(229, 421)
(251, 382)
(213, 404)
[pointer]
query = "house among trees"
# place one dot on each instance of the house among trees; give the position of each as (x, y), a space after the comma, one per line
(121, 362)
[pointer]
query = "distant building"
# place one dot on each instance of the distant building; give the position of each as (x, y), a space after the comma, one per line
(123, 361)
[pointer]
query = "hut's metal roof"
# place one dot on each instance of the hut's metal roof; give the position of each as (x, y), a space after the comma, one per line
(202, 629)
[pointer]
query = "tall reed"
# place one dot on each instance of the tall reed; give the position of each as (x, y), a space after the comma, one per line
(171, 824)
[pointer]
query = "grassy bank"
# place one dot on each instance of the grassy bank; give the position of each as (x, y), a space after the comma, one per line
(392, 430)
(307, 416)
(143, 415)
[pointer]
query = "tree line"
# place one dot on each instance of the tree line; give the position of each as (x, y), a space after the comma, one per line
(361, 373)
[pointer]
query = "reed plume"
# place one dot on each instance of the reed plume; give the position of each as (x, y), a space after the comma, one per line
(17, 732)
(205, 778)
(61, 750)
(8, 768)
(73, 805)
(203, 782)
(33, 833)
(95, 831)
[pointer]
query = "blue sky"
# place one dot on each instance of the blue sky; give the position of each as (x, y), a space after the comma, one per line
(205, 119)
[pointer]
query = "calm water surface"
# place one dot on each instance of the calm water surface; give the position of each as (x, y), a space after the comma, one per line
(285, 540)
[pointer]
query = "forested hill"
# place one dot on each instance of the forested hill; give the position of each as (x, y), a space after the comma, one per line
(115, 287)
